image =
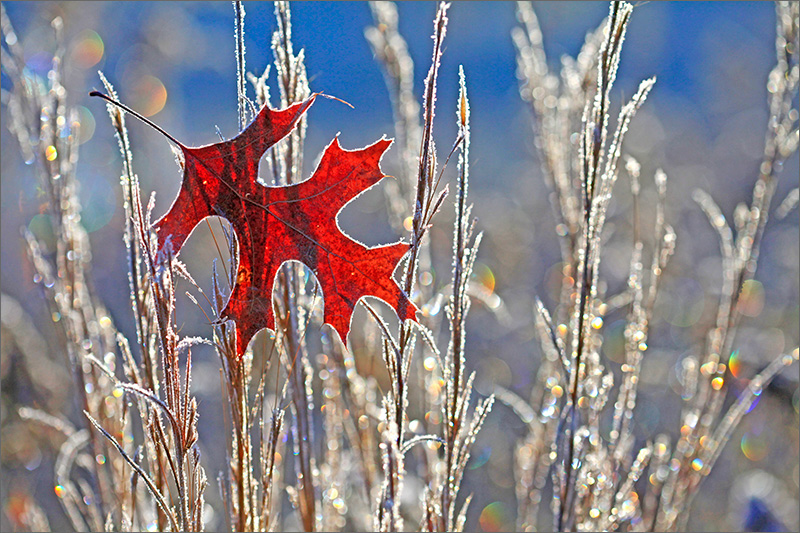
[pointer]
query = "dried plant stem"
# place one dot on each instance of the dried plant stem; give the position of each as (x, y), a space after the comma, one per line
(48, 132)
(298, 373)
(398, 356)
(702, 433)
(459, 431)
(593, 144)
(293, 85)
(391, 50)
(582, 491)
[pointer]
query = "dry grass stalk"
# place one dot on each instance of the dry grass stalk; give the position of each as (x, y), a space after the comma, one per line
(459, 430)
(47, 131)
(250, 493)
(103, 366)
(293, 84)
(398, 353)
(705, 429)
(175, 478)
(391, 51)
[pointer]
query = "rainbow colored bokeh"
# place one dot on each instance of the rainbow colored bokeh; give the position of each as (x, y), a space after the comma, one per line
(494, 517)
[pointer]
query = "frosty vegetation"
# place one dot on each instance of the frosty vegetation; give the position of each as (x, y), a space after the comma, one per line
(312, 442)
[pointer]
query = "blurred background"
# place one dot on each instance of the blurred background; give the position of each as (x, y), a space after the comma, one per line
(704, 124)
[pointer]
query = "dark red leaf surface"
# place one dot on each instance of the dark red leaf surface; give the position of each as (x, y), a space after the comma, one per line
(278, 224)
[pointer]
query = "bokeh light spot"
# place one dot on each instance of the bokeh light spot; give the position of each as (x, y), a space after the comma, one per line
(426, 278)
(149, 95)
(88, 125)
(493, 517)
(41, 228)
(99, 203)
(754, 447)
(485, 276)
(735, 364)
(751, 298)
(614, 341)
(481, 459)
(88, 49)
(683, 302)
(755, 402)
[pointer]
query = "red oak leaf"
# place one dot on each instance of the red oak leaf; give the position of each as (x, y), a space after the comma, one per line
(278, 224)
